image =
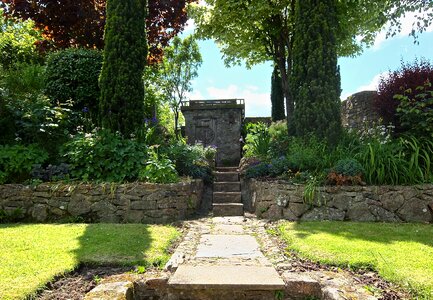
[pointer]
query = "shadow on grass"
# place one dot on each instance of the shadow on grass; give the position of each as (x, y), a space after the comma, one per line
(385, 233)
(115, 244)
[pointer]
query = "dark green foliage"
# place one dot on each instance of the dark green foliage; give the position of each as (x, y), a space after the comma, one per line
(158, 170)
(407, 160)
(51, 172)
(13, 216)
(72, 74)
(315, 80)
(258, 170)
(191, 160)
(122, 91)
(416, 113)
(277, 96)
(105, 156)
(278, 166)
(348, 167)
(16, 162)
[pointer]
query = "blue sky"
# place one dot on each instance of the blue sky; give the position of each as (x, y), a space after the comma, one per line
(215, 81)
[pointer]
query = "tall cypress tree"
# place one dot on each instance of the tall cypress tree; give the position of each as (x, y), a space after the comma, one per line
(315, 81)
(121, 105)
(277, 96)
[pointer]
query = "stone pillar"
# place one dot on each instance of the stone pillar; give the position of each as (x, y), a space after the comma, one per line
(218, 123)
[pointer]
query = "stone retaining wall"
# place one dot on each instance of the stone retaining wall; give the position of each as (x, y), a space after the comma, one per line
(111, 203)
(280, 200)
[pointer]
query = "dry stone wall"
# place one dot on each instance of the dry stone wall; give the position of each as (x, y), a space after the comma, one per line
(357, 111)
(280, 200)
(111, 203)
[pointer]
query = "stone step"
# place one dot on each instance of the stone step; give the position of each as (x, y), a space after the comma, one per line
(256, 278)
(227, 187)
(227, 197)
(227, 169)
(227, 176)
(228, 209)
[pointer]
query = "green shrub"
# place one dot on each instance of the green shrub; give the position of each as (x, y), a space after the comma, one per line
(17, 42)
(308, 153)
(257, 141)
(279, 139)
(416, 113)
(257, 170)
(348, 167)
(72, 74)
(158, 170)
(191, 160)
(278, 166)
(105, 156)
(16, 162)
(13, 216)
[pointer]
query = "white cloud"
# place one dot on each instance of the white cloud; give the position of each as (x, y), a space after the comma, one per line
(190, 27)
(195, 95)
(257, 104)
(407, 23)
(372, 86)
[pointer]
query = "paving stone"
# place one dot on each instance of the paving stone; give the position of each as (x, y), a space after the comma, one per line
(228, 229)
(228, 209)
(220, 277)
(228, 246)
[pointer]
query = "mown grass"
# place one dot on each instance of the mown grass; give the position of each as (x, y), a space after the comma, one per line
(400, 253)
(32, 255)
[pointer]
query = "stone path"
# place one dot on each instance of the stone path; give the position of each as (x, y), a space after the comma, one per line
(235, 258)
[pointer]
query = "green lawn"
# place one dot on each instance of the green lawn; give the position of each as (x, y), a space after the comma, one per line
(400, 253)
(31, 255)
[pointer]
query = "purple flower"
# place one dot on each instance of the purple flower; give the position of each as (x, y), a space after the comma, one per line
(85, 109)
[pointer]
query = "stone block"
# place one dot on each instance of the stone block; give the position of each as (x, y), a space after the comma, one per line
(112, 291)
(392, 201)
(79, 205)
(134, 216)
(40, 213)
(301, 286)
(360, 212)
(415, 210)
(324, 213)
(340, 201)
(298, 209)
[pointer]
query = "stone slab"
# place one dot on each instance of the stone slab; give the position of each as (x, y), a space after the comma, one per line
(227, 187)
(225, 246)
(229, 220)
(228, 229)
(228, 209)
(227, 197)
(224, 277)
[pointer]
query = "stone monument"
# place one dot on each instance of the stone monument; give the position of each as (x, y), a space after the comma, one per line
(217, 123)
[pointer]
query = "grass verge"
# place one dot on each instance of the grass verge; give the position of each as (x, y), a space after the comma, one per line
(32, 255)
(400, 253)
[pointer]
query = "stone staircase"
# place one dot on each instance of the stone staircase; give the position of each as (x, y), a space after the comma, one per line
(227, 199)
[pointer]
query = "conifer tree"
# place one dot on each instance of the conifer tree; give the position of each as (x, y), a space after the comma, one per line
(121, 105)
(277, 96)
(315, 81)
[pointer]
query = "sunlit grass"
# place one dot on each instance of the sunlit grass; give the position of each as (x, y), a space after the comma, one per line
(400, 253)
(32, 255)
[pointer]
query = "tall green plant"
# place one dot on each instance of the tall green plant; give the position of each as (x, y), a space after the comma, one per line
(258, 141)
(315, 80)
(121, 106)
(277, 96)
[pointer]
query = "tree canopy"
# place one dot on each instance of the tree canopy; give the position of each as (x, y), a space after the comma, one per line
(72, 23)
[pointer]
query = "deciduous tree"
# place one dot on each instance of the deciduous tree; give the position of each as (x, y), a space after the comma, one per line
(72, 23)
